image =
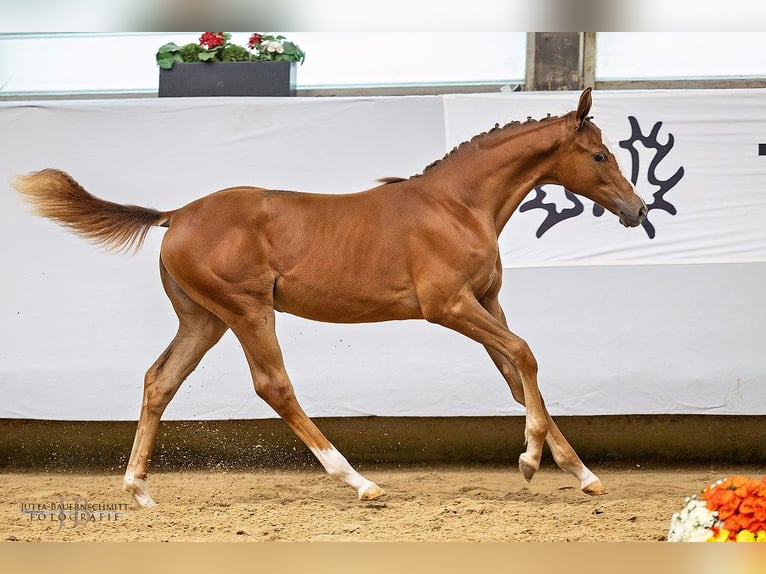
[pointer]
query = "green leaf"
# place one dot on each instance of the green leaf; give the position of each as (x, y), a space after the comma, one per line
(296, 54)
(166, 60)
(169, 47)
(167, 55)
(206, 56)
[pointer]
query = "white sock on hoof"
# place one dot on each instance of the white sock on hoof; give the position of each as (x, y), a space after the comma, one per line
(139, 489)
(338, 467)
(586, 478)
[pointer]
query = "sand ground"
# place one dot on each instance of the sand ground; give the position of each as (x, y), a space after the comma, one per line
(421, 504)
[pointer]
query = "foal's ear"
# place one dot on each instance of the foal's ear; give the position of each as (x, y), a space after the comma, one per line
(583, 107)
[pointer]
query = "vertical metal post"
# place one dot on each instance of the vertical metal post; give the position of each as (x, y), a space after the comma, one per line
(560, 60)
(588, 59)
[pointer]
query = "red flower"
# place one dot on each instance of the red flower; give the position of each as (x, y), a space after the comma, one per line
(254, 40)
(212, 39)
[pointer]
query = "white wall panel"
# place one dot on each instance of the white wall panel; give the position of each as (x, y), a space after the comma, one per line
(621, 323)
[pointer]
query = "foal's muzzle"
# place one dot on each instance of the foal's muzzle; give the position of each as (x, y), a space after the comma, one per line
(634, 219)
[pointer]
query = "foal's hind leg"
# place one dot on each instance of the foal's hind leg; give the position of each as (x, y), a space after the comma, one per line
(563, 453)
(256, 333)
(198, 330)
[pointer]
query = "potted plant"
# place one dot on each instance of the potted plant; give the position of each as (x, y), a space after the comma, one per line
(217, 67)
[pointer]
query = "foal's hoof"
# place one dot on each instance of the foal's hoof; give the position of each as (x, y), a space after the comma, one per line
(371, 492)
(144, 500)
(138, 489)
(527, 468)
(594, 488)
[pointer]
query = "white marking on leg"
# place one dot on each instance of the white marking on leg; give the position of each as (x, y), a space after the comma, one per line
(586, 477)
(338, 467)
(139, 489)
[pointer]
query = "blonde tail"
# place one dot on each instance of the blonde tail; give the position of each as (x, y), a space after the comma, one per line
(56, 195)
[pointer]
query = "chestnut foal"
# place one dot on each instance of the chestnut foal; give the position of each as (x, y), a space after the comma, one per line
(418, 248)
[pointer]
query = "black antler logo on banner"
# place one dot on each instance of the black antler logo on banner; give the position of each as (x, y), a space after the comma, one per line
(651, 141)
(556, 215)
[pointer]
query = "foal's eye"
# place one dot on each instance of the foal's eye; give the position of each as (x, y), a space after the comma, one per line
(599, 156)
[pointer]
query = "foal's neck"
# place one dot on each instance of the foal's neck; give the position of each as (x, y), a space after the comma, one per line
(496, 173)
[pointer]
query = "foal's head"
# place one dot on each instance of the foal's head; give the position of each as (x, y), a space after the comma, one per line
(588, 168)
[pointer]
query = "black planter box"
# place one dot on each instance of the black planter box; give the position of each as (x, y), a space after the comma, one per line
(228, 79)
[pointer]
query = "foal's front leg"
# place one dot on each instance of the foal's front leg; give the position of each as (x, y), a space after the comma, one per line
(466, 315)
(563, 453)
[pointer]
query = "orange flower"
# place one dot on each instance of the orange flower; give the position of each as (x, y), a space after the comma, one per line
(757, 526)
(723, 500)
(740, 503)
(737, 522)
(749, 504)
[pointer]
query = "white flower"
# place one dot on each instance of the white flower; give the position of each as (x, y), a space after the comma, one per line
(693, 523)
(272, 46)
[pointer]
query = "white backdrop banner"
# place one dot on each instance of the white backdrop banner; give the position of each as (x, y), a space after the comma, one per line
(665, 318)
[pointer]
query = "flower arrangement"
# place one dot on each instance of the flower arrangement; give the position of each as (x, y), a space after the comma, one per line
(217, 47)
(731, 510)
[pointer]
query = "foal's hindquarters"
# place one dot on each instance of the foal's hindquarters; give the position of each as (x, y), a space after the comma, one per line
(198, 331)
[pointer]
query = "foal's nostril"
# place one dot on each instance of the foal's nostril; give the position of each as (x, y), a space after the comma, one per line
(643, 211)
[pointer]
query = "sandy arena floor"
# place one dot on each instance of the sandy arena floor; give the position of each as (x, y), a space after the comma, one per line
(422, 504)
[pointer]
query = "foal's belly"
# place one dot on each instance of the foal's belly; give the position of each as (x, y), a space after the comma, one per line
(345, 300)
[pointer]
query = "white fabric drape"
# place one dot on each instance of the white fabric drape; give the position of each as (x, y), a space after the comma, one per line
(623, 321)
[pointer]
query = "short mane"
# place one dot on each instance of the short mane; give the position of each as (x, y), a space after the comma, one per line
(511, 127)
